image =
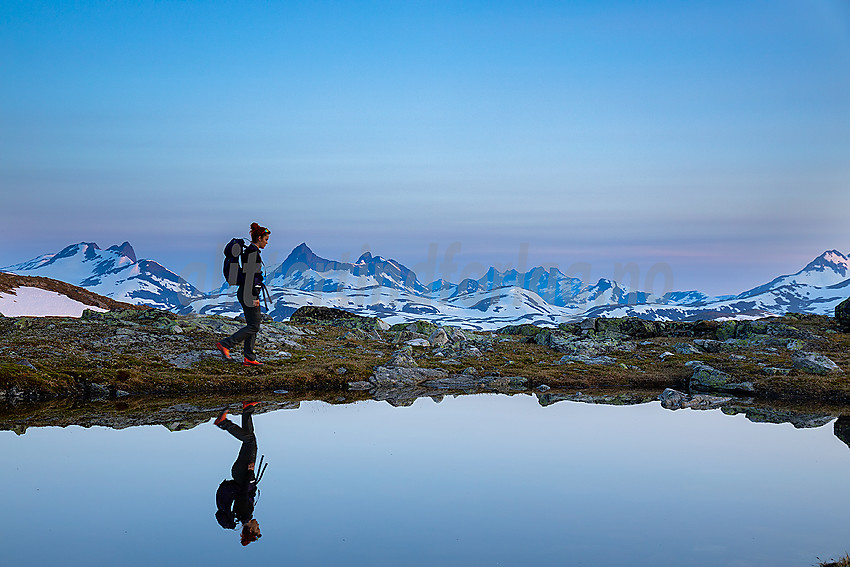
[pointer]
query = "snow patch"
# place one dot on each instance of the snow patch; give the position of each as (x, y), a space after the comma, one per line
(37, 302)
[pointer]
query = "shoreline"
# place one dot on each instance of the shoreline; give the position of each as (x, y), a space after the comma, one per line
(132, 353)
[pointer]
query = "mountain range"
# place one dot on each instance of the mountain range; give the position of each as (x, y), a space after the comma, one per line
(377, 286)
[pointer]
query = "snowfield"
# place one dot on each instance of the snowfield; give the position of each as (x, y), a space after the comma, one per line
(37, 302)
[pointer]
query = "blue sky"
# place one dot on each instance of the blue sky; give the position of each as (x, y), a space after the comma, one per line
(712, 138)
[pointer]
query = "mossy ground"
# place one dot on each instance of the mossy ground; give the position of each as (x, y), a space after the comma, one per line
(135, 353)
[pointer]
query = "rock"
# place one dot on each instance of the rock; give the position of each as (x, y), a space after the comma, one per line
(403, 358)
(543, 388)
(471, 352)
(709, 379)
(27, 364)
(354, 335)
(726, 330)
(470, 371)
(773, 371)
(842, 315)
(814, 363)
(456, 335)
(361, 385)
(841, 429)
(685, 348)
(438, 337)
(590, 360)
(98, 391)
(770, 415)
(382, 325)
(665, 354)
(395, 376)
(418, 342)
(631, 327)
(673, 400)
(341, 370)
(177, 330)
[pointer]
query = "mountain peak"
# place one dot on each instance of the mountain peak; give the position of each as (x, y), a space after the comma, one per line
(831, 259)
(125, 250)
(366, 257)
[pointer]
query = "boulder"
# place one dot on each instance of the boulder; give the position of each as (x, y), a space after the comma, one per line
(673, 400)
(686, 348)
(842, 315)
(399, 376)
(708, 379)
(403, 358)
(438, 337)
(631, 327)
(813, 363)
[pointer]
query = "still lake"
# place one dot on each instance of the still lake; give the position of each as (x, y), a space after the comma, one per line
(472, 480)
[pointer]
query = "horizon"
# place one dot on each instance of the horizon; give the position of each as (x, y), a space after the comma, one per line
(710, 139)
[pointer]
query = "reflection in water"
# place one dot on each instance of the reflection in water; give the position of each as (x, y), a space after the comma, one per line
(235, 498)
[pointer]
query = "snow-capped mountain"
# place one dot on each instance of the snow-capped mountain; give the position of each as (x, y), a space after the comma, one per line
(817, 288)
(376, 286)
(113, 273)
(306, 271)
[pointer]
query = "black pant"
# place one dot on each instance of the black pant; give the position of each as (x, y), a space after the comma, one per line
(248, 453)
(248, 333)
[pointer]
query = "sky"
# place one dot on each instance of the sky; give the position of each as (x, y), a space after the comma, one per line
(708, 142)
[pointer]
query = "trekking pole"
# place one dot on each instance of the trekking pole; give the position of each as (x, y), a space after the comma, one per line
(261, 469)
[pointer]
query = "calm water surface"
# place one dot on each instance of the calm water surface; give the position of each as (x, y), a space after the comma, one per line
(474, 480)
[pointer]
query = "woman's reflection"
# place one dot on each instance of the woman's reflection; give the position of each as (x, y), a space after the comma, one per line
(235, 498)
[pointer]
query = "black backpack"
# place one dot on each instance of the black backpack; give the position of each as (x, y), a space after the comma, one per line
(233, 273)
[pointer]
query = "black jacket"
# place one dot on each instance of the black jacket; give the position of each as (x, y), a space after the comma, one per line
(251, 256)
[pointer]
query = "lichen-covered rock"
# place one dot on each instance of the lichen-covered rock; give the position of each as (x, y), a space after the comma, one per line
(709, 379)
(403, 358)
(842, 315)
(774, 371)
(399, 376)
(673, 400)
(726, 330)
(814, 363)
(686, 348)
(438, 337)
(521, 330)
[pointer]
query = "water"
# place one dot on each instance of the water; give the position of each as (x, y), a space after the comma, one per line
(473, 480)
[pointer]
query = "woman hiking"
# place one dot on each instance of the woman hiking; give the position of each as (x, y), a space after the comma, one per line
(250, 288)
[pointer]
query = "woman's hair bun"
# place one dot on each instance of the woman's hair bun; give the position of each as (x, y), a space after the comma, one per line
(257, 231)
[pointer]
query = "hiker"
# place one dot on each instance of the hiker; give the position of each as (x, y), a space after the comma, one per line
(235, 498)
(250, 288)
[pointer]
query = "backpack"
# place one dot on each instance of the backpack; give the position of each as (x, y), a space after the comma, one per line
(233, 273)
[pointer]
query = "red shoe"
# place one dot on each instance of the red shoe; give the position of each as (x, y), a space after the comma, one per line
(225, 353)
(221, 418)
(247, 362)
(248, 404)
